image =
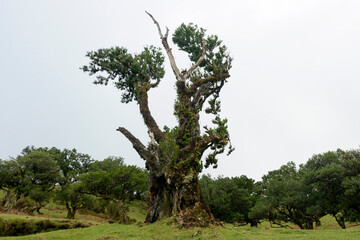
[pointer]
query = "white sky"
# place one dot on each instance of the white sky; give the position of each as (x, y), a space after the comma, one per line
(293, 92)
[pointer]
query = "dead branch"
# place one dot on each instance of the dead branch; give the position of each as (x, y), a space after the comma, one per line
(164, 41)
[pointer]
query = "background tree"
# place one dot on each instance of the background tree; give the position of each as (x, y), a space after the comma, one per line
(107, 164)
(325, 175)
(70, 164)
(174, 157)
(39, 176)
(10, 180)
(285, 198)
(32, 175)
(351, 184)
(119, 184)
(72, 196)
(334, 178)
(230, 199)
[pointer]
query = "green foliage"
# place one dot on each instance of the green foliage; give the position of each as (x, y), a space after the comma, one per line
(189, 39)
(169, 149)
(39, 168)
(107, 164)
(70, 162)
(121, 183)
(217, 146)
(230, 199)
(32, 175)
(285, 198)
(125, 69)
(10, 176)
(327, 184)
(29, 179)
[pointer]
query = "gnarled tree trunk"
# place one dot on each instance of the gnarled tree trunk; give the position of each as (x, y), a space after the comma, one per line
(182, 199)
(173, 157)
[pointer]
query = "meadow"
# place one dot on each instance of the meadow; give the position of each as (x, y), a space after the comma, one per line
(100, 228)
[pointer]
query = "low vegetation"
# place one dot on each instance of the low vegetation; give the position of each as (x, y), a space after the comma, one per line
(101, 229)
(19, 227)
(74, 180)
(80, 192)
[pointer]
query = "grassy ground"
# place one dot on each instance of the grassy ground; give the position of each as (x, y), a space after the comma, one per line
(162, 230)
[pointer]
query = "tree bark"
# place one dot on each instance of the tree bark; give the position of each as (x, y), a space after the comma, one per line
(71, 211)
(341, 221)
(309, 225)
(181, 199)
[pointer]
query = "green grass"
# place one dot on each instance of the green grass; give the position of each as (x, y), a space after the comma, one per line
(161, 230)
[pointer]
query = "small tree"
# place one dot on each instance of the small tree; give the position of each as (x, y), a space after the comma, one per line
(174, 157)
(118, 184)
(73, 197)
(33, 174)
(70, 164)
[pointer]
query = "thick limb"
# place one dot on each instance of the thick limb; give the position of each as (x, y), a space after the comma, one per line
(148, 118)
(137, 145)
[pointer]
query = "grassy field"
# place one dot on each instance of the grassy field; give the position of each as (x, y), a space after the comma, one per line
(162, 230)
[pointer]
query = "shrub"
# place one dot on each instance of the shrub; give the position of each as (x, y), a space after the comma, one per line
(20, 227)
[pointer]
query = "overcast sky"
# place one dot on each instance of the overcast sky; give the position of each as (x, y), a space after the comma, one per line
(293, 92)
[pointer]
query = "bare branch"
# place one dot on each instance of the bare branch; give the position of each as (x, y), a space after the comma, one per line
(199, 61)
(174, 67)
(137, 145)
(167, 33)
(158, 26)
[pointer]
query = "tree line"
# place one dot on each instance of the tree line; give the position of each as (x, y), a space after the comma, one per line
(72, 179)
(328, 183)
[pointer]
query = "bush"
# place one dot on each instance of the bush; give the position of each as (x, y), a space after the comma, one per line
(20, 227)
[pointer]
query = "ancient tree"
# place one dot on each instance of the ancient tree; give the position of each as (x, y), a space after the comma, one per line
(174, 157)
